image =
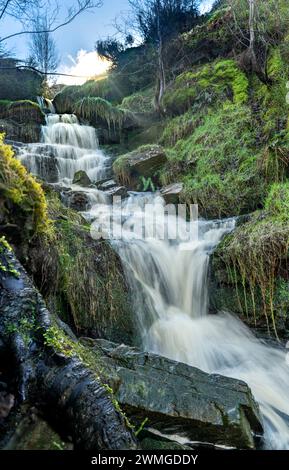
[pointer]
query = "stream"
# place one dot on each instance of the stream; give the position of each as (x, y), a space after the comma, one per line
(168, 275)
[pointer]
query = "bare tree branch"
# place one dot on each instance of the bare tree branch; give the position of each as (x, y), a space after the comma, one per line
(4, 9)
(82, 6)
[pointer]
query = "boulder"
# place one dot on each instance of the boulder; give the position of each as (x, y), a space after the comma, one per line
(120, 191)
(171, 193)
(106, 184)
(111, 189)
(144, 162)
(77, 200)
(81, 179)
(179, 400)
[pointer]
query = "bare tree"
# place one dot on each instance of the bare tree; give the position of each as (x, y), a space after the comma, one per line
(258, 24)
(158, 22)
(43, 51)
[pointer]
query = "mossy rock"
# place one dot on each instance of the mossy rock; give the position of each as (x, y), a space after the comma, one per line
(81, 179)
(143, 163)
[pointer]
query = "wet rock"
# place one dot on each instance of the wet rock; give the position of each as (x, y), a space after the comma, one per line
(17, 146)
(120, 191)
(81, 179)
(77, 200)
(111, 189)
(26, 132)
(7, 401)
(171, 193)
(177, 399)
(106, 185)
(41, 160)
(64, 389)
(34, 433)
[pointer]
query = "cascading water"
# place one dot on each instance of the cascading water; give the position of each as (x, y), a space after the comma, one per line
(168, 279)
(66, 147)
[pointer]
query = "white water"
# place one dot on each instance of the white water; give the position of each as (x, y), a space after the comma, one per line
(168, 280)
(66, 147)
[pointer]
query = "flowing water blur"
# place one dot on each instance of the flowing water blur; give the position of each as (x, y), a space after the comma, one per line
(66, 147)
(168, 278)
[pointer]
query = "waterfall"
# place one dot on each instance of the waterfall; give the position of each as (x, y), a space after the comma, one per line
(66, 147)
(168, 279)
(46, 104)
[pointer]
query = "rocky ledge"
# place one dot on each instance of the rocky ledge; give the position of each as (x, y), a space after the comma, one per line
(175, 399)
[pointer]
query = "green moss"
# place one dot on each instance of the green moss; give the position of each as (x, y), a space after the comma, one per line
(6, 266)
(95, 109)
(261, 275)
(272, 101)
(22, 198)
(222, 170)
(87, 287)
(141, 102)
(65, 100)
(222, 79)
(277, 202)
(181, 127)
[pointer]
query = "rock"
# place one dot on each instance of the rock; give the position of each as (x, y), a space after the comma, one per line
(117, 191)
(111, 189)
(7, 401)
(60, 384)
(81, 179)
(177, 399)
(143, 162)
(172, 193)
(33, 433)
(17, 146)
(29, 132)
(105, 185)
(77, 200)
(40, 159)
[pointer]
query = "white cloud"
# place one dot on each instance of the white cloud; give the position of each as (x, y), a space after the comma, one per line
(86, 65)
(206, 6)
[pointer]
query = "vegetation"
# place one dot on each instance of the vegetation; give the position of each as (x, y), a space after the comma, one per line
(81, 279)
(97, 110)
(23, 203)
(261, 275)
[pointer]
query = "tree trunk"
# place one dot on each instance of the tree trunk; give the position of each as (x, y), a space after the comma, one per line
(161, 82)
(252, 53)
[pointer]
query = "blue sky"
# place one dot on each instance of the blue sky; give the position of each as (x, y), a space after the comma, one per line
(79, 35)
